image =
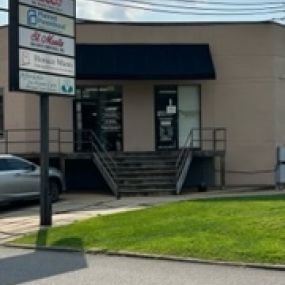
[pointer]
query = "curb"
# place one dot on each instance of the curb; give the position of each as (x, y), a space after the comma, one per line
(265, 266)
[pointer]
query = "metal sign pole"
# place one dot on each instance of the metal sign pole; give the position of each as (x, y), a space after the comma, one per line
(45, 199)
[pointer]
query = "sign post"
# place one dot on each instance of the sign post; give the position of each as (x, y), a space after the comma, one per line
(46, 195)
(42, 61)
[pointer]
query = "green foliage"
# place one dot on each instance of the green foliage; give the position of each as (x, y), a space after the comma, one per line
(248, 229)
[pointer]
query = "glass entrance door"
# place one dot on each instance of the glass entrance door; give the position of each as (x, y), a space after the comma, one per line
(166, 118)
(177, 112)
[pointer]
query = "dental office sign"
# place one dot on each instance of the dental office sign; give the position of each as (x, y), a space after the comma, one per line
(42, 46)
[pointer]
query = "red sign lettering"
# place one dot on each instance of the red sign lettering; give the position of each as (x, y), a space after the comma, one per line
(52, 2)
(48, 39)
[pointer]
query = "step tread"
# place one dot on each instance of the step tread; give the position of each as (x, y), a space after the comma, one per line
(144, 187)
(145, 163)
(143, 171)
(151, 166)
(143, 158)
(147, 190)
(146, 178)
(147, 183)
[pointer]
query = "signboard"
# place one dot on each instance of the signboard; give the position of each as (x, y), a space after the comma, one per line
(64, 7)
(40, 19)
(42, 46)
(45, 62)
(46, 42)
(31, 81)
(171, 109)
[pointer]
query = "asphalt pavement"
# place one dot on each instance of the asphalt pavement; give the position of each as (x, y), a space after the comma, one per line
(19, 266)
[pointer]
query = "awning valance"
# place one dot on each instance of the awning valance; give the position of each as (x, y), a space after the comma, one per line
(144, 61)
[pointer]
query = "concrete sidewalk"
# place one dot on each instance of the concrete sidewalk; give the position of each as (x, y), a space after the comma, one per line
(78, 206)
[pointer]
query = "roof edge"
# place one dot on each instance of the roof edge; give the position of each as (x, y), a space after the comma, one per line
(178, 23)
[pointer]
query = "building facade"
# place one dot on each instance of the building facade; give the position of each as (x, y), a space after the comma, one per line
(142, 88)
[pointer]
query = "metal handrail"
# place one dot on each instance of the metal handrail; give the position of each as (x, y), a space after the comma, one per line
(183, 161)
(185, 155)
(212, 137)
(215, 139)
(6, 141)
(111, 165)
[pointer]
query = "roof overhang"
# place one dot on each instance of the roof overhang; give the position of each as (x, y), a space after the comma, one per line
(144, 61)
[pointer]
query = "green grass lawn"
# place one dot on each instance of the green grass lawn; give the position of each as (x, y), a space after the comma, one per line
(233, 229)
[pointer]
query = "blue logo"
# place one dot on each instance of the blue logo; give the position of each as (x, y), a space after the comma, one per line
(32, 17)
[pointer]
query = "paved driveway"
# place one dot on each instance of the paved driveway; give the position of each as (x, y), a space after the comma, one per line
(76, 206)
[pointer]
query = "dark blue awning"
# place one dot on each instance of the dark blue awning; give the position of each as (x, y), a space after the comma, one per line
(144, 61)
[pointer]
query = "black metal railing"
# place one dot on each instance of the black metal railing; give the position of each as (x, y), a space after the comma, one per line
(198, 139)
(183, 162)
(105, 163)
(27, 141)
(68, 140)
(209, 139)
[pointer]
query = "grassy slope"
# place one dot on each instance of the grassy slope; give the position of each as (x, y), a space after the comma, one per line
(236, 229)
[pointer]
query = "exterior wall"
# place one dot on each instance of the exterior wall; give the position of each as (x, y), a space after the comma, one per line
(21, 111)
(60, 117)
(246, 98)
(138, 122)
(242, 98)
(14, 103)
(279, 63)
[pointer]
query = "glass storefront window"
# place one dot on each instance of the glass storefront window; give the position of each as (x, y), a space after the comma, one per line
(100, 109)
(188, 113)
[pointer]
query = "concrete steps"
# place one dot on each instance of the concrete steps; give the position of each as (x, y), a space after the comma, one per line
(147, 172)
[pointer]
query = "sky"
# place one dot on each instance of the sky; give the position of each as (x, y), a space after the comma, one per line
(88, 9)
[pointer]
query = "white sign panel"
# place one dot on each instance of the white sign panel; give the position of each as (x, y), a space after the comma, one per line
(36, 82)
(171, 109)
(39, 19)
(44, 62)
(65, 7)
(47, 42)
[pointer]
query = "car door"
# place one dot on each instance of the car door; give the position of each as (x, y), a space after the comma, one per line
(25, 178)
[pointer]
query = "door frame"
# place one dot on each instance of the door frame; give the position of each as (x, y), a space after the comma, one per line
(177, 114)
(156, 87)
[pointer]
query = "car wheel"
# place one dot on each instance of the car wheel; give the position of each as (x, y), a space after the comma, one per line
(54, 187)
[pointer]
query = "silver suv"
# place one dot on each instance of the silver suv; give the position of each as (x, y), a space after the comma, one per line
(20, 179)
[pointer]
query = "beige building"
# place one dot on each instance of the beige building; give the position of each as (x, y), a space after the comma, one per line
(158, 81)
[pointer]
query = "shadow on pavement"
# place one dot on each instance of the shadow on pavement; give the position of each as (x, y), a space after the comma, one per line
(40, 264)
